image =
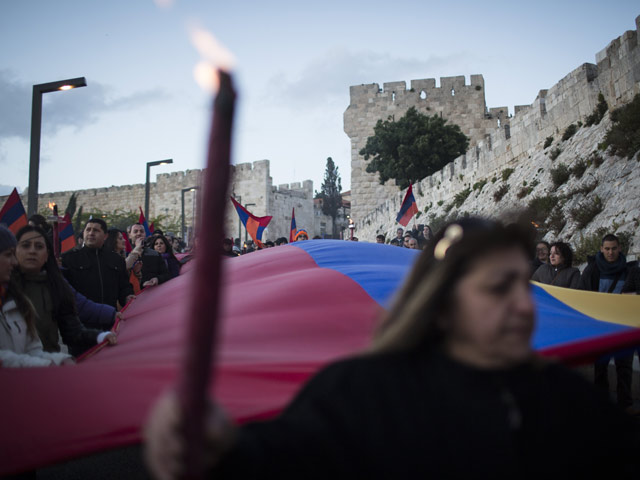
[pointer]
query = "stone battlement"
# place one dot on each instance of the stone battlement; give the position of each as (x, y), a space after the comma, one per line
(495, 138)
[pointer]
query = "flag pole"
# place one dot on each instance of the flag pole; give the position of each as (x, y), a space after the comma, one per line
(195, 373)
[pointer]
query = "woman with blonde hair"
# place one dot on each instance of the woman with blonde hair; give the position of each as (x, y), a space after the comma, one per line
(450, 388)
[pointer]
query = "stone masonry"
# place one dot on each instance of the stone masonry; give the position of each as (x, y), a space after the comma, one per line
(457, 102)
(518, 147)
(251, 184)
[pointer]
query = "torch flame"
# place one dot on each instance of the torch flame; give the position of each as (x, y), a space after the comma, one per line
(215, 57)
(51, 205)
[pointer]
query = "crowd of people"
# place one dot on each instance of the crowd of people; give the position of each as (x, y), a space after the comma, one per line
(55, 309)
(460, 329)
(607, 271)
(415, 238)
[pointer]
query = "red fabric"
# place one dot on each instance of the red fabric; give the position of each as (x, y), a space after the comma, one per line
(269, 346)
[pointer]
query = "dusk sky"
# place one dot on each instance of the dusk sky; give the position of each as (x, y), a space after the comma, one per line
(295, 63)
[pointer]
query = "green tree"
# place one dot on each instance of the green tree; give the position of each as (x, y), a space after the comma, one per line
(330, 193)
(413, 147)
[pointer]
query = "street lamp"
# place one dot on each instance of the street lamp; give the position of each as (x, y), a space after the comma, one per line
(146, 185)
(239, 199)
(184, 190)
(246, 237)
(36, 127)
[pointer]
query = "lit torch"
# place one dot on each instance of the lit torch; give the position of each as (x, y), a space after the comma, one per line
(195, 373)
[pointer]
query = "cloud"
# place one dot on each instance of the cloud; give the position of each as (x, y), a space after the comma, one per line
(327, 78)
(7, 189)
(77, 109)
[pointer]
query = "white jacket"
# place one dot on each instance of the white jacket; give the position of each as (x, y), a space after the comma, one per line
(17, 347)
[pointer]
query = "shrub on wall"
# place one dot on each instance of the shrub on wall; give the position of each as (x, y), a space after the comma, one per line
(624, 135)
(461, 197)
(559, 175)
(569, 132)
(555, 153)
(584, 213)
(506, 173)
(501, 192)
(548, 141)
(479, 185)
(579, 168)
(598, 112)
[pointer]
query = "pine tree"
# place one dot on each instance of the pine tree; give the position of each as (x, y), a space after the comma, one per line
(330, 193)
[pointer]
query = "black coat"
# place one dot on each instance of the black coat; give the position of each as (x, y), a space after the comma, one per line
(153, 266)
(97, 274)
(419, 415)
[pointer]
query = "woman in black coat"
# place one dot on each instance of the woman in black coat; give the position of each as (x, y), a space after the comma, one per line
(558, 271)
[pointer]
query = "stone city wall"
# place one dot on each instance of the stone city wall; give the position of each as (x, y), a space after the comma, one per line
(251, 184)
(454, 100)
(520, 146)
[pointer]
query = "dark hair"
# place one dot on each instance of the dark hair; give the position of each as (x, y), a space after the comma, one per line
(565, 251)
(153, 238)
(40, 221)
(61, 294)
(610, 237)
(545, 243)
(111, 242)
(413, 320)
(99, 221)
(281, 241)
(380, 237)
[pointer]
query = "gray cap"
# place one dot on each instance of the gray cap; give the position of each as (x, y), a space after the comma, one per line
(7, 239)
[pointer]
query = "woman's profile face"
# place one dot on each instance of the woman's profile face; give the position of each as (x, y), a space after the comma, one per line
(120, 246)
(492, 317)
(555, 257)
(31, 252)
(159, 246)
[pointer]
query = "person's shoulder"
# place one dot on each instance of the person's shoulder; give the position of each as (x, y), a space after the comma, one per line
(75, 258)
(112, 258)
(73, 253)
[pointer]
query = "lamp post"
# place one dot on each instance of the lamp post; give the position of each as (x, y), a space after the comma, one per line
(239, 198)
(184, 190)
(246, 237)
(146, 185)
(36, 127)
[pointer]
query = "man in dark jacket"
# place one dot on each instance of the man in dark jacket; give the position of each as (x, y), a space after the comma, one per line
(154, 269)
(607, 272)
(97, 274)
